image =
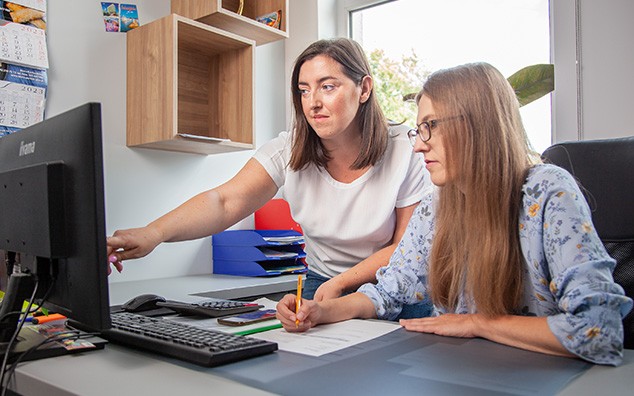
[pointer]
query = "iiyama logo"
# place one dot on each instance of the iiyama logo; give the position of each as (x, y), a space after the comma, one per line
(28, 148)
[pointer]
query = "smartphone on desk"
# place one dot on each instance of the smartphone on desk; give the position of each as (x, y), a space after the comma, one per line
(248, 318)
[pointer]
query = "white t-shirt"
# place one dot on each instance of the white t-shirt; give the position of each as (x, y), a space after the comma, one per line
(344, 223)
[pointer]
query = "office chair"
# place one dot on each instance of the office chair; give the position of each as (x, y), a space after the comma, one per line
(605, 170)
(276, 215)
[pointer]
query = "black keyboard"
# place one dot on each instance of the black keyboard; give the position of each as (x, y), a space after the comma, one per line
(212, 308)
(184, 342)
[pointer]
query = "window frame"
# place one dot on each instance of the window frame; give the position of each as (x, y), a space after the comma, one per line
(345, 7)
(344, 29)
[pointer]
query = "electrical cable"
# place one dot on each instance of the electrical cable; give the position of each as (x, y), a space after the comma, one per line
(29, 311)
(71, 334)
(13, 339)
(3, 366)
(76, 335)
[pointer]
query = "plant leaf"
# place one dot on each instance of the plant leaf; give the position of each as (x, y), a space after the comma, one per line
(533, 82)
(409, 97)
(530, 83)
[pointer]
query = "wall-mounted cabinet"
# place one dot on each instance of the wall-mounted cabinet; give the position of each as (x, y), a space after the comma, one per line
(224, 15)
(189, 87)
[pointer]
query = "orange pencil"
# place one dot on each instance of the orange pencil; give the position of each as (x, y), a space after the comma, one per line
(298, 300)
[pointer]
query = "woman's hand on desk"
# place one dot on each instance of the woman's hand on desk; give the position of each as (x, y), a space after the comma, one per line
(130, 244)
(308, 314)
(453, 325)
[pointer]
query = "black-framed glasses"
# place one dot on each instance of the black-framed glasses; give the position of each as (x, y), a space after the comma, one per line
(423, 130)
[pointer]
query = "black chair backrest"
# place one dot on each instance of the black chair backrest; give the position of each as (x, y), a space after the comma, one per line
(605, 171)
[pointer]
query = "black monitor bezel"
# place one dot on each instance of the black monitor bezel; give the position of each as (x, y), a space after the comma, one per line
(80, 290)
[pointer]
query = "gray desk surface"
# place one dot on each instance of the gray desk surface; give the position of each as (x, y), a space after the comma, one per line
(398, 363)
(194, 286)
(395, 364)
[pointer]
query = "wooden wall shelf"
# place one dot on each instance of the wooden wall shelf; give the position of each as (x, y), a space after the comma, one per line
(223, 14)
(188, 78)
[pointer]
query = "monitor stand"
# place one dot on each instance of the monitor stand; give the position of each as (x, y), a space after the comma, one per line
(19, 289)
(29, 338)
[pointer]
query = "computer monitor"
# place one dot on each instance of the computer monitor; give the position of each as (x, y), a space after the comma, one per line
(52, 220)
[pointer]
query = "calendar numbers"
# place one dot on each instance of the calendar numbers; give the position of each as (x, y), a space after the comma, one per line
(23, 45)
(23, 65)
(21, 105)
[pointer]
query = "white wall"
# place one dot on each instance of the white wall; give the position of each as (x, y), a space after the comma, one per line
(88, 64)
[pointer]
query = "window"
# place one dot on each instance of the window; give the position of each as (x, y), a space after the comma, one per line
(408, 39)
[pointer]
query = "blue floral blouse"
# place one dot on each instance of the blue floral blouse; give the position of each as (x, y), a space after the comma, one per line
(568, 273)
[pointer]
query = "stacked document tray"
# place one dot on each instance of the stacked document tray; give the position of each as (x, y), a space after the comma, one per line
(258, 252)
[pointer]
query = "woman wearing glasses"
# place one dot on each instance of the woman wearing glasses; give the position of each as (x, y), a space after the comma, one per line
(352, 182)
(505, 249)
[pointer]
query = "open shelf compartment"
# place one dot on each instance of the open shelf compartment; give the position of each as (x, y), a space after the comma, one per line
(189, 87)
(223, 14)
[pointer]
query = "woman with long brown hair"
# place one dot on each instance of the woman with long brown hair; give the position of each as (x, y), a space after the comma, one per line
(505, 249)
(350, 178)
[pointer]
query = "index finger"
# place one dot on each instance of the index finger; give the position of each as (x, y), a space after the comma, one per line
(115, 242)
(286, 305)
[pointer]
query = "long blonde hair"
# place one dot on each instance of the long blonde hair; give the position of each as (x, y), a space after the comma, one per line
(476, 243)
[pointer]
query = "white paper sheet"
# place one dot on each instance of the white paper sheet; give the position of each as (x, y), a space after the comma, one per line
(328, 338)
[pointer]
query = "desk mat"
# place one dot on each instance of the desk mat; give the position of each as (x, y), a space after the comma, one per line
(404, 362)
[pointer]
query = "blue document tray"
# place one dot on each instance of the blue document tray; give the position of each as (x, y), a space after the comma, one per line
(258, 252)
(257, 238)
(259, 268)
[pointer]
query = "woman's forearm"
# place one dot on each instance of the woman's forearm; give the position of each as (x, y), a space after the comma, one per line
(355, 305)
(526, 332)
(365, 271)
